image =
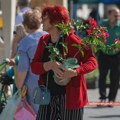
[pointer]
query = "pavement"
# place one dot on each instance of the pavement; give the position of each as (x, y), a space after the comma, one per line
(101, 113)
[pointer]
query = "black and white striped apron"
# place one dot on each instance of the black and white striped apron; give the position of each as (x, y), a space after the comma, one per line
(56, 110)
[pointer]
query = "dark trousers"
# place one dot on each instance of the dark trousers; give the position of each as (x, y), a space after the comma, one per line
(56, 110)
(109, 63)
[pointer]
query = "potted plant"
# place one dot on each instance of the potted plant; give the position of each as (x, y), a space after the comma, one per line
(95, 38)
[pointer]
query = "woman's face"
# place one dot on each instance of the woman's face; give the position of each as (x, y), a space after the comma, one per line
(47, 26)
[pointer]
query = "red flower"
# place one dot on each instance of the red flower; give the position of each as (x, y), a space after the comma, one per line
(97, 36)
(104, 41)
(107, 34)
(116, 49)
(116, 40)
(102, 28)
(92, 22)
(102, 35)
(90, 32)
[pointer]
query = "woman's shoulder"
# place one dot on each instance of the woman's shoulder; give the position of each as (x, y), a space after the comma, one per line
(44, 38)
(38, 34)
(25, 41)
(23, 45)
(42, 33)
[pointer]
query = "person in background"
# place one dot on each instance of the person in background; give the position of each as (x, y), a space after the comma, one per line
(22, 7)
(67, 102)
(20, 34)
(95, 14)
(110, 62)
(26, 49)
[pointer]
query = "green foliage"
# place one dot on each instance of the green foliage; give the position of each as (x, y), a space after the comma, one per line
(65, 28)
(55, 53)
(95, 38)
(87, 40)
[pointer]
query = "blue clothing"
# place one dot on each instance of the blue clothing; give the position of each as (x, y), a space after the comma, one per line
(26, 50)
(10, 72)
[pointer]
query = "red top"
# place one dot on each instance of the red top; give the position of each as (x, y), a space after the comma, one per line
(76, 91)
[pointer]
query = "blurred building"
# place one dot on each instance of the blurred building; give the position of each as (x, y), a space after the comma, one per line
(81, 9)
(35, 3)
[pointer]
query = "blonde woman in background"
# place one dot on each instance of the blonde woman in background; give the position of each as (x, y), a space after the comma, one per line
(26, 49)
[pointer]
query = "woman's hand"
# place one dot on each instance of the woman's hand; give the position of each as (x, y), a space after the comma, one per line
(12, 62)
(56, 68)
(67, 74)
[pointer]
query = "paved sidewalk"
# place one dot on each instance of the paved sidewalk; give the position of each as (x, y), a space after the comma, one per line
(101, 113)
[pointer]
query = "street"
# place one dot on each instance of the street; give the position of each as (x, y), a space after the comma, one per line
(101, 113)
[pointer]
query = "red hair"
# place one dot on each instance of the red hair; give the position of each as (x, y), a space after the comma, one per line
(57, 14)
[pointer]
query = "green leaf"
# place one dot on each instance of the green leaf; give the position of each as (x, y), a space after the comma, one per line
(82, 53)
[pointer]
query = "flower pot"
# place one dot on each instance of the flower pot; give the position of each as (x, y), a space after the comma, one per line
(68, 63)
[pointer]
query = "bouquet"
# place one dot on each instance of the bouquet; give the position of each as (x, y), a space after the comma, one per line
(94, 37)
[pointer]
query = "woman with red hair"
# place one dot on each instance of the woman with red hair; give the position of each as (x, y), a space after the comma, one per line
(67, 101)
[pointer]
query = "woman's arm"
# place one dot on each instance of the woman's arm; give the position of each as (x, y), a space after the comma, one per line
(20, 78)
(89, 62)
